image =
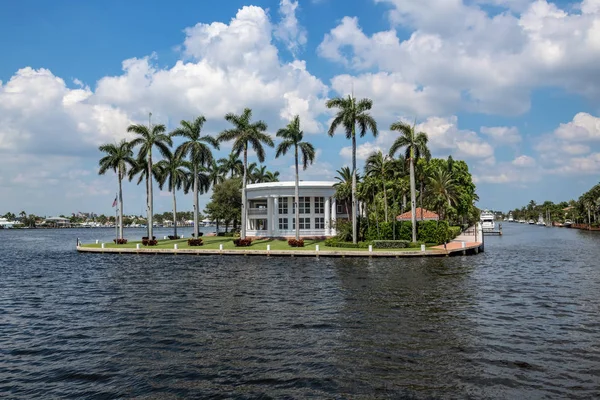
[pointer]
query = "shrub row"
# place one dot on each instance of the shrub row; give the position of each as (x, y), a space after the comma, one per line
(242, 242)
(335, 242)
(195, 242)
(171, 237)
(296, 243)
(147, 242)
(146, 237)
(436, 232)
(120, 241)
(391, 244)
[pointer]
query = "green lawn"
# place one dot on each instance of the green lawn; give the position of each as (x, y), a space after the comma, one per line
(213, 242)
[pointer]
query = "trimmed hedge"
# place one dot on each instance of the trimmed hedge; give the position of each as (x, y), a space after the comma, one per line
(296, 243)
(171, 237)
(391, 244)
(242, 242)
(195, 242)
(436, 232)
(147, 242)
(120, 241)
(335, 242)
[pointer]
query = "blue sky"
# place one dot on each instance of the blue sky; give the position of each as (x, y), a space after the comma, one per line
(510, 86)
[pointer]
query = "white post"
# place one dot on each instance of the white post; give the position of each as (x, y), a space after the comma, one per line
(327, 216)
(370, 248)
(165, 238)
(182, 236)
(422, 247)
(175, 246)
(333, 215)
(102, 245)
(221, 247)
(268, 247)
(317, 248)
(96, 241)
(137, 246)
(463, 245)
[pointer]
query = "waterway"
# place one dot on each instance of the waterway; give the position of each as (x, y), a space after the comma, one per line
(521, 320)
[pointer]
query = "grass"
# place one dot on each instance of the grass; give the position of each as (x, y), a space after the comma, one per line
(213, 242)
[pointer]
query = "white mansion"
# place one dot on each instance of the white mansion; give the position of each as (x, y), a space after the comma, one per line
(271, 211)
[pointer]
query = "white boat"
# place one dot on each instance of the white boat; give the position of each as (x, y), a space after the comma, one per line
(510, 218)
(531, 222)
(487, 220)
(540, 221)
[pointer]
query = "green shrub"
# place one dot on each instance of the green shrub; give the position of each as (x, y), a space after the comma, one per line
(195, 242)
(344, 230)
(225, 234)
(390, 244)
(335, 242)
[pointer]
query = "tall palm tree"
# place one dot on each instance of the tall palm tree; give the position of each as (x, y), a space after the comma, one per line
(118, 157)
(246, 133)
(343, 186)
(196, 148)
(140, 169)
(292, 137)
(260, 175)
(251, 171)
(148, 138)
(442, 188)
(379, 167)
(172, 171)
(232, 165)
(214, 172)
(350, 114)
(416, 145)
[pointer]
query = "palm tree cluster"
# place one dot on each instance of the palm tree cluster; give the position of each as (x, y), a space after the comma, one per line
(191, 165)
(444, 185)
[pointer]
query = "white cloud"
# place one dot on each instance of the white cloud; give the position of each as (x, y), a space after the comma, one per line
(583, 127)
(289, 31)
(524, 161)
(479, 62)
(502, 134)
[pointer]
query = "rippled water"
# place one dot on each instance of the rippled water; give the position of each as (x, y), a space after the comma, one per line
(519, 321)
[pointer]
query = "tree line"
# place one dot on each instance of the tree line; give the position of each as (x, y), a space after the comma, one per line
(444, 185)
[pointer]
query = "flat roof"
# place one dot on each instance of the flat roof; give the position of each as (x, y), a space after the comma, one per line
(292, 184)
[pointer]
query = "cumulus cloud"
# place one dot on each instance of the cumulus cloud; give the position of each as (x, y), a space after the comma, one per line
(289, 30)
(480, 62)
(502, 134)
(583, 127)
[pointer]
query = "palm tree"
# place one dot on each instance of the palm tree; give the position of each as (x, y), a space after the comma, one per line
(172, 171)
(196, 148)
(443, 189)
(117, 158)
(232, 164)
(272, 176)
(252, 170)
(149, 137)
(245, 133)
(352, 112)
(343, 186)
(379, 167)
(214, 172)
(416, 145)
(260, 175)
(140, 167)
(292, 136)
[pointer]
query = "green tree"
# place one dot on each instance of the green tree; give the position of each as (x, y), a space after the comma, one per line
(350, 114)
(378, 166)
(147, 138)
(416, 145)
(244, 134)
(272, 176)
(442, 189)
(118, 158)
(292, 136)
(226, 202)
(196, 148)
(232, 165)
(172, 171)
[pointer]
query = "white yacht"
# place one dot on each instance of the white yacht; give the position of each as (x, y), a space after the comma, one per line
(510, 218)
(487, 220)
(540, 221)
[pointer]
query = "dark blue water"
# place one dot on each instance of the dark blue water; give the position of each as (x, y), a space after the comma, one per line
(520, 321)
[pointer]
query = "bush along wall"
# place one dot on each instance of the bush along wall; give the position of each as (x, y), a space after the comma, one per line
(436, 232)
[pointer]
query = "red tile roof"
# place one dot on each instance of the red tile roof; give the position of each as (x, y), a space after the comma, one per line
(427, 215)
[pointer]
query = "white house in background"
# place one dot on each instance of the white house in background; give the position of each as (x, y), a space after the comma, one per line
(4, 223)
(58, 222)
(271, 211)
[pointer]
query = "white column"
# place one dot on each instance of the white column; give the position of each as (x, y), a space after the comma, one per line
(276, 216)
(291, 213)
(333, 215)
(327, 216)
(269, 216)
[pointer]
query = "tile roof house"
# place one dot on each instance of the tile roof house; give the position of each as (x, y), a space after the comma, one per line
(426, 214)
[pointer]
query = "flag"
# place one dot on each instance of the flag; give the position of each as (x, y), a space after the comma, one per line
(115, 202)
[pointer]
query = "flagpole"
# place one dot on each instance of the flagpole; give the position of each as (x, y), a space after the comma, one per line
(117, 225)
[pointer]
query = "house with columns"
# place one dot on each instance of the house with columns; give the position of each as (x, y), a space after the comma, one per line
(271, 209)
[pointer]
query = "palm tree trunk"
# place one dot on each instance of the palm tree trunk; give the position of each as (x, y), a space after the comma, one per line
(421, 198)
(120, 205)
(297, 199)
(413, 201)
(385, 202)
(196, 227)
(150, 200)
(244, 208)
(175, 215)
(354, 204)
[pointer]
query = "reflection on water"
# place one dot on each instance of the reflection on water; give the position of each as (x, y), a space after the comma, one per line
(519, 321)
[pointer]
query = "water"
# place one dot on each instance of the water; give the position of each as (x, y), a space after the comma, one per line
(519, 321)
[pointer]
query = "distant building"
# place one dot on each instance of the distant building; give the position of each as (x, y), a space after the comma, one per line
(422, 215)
(271, 211)
(5, 223)
(58, 222)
